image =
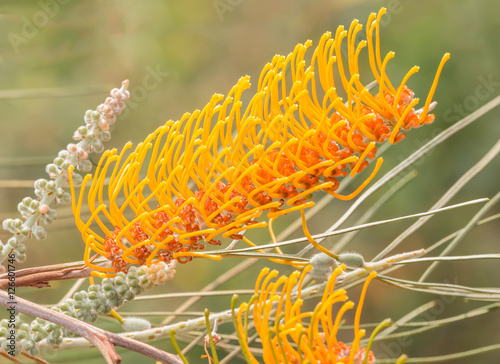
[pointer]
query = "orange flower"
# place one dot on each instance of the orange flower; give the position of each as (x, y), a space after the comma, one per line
(213, 173)
(292, 336)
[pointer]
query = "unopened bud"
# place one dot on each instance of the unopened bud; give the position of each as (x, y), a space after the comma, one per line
(352, 259)
(135, 324)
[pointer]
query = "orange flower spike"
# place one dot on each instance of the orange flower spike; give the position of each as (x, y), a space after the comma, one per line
(215, 171)
(289, 340)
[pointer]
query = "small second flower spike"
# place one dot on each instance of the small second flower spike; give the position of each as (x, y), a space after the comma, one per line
(289, 335)
(221, 171)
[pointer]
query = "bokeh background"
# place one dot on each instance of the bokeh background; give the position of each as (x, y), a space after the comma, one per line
(60, 58)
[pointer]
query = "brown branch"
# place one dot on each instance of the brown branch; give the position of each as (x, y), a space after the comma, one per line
(40, 276)
(9, 357)
(44, 268)
(36, 359)
(103, 340)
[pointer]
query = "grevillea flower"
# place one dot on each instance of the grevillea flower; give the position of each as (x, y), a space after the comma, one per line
(213, 173)
(291, 336)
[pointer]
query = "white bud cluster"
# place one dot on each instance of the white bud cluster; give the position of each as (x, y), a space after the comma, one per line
(13, 245)
(87, 305)
(91, 137)
(323, 266)
(160, 272)
(24, 338)
(29, 206)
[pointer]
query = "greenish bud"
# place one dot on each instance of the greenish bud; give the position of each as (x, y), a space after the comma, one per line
(26, 201)
(120, 280)
(115, 302)
(77, 179)
(52, 214)
(88, 115)
(63, 154)
(133, 282)
(100, 309)
(83, 130)
(85, 166)
(111, 294)
(122, 289)
(65, 198)
(69, 333)
(39, 232)
(105, 136)
(352, 259)
(35, 204)
(38, 337)
(52, 169)
(41, 183)
(25, 231)
(96, 115)
(97, 146)
(21, 258)
(65, 165)
(35, 326)
(135, 324)
(21, 249)
(24, 210)
(12, 242)
(59, 192)
(28, 345)
(129, 296)
(57, 332)
(51, 186)
(58, 161)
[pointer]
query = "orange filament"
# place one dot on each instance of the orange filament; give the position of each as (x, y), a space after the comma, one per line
(295, 336)
(214, 173)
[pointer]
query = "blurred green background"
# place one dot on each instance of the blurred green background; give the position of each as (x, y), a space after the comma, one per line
(60, 58)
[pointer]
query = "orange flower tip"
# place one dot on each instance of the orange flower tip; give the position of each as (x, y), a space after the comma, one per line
(353, 260)
(432, 105)
(322, 266)
(125, 84)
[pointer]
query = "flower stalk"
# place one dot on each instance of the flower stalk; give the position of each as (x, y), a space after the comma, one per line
(37, 210)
